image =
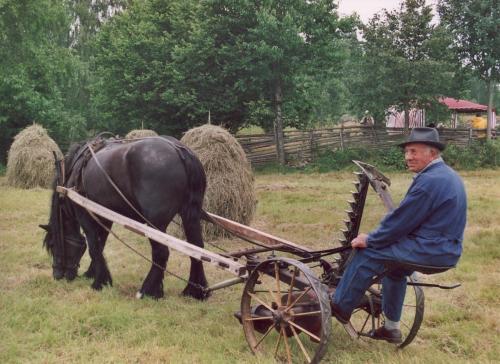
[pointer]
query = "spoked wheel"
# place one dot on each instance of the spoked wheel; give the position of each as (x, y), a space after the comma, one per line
(369, 317)
(285, 310)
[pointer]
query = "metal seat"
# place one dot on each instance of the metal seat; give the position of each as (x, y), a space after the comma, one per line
(391, 265)
(426, 269)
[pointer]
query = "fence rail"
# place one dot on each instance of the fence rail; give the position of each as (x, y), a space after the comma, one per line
(302, 146)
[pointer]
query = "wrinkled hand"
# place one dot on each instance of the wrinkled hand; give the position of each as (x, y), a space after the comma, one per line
(360, 241)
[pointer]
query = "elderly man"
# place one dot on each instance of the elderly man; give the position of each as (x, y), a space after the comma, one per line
(427, 229)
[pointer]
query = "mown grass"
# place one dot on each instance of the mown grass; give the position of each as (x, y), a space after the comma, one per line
(42, 320)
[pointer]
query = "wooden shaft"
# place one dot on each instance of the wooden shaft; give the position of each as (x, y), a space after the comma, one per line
(156, 235)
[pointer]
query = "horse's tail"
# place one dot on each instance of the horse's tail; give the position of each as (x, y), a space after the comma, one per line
(197, 180)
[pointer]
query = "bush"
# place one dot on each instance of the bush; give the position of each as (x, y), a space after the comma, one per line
(337, 160)
(392, 158)
(388, 160)
(481, 154)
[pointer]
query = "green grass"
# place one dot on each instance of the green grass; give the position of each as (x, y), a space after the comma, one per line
(42, 320)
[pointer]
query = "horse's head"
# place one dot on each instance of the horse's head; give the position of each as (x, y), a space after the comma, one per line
(63, 239)
(65, 244)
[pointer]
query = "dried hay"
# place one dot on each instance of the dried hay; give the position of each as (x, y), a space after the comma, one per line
(230, 183)
(31, 162)
(140, 133)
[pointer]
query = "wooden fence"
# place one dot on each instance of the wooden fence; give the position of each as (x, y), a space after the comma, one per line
(302, 146)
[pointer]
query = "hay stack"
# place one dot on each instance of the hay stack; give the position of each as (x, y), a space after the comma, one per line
(30, 162)
(140, 133)
(230, 182)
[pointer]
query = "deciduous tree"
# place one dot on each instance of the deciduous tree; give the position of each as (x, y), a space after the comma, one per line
(271, 54)
(37, 70)
(475, 26)
(404, 61)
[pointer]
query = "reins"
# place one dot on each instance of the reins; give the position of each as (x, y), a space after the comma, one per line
(110, 231)
(113, 184)
(117, 189)
(60, 177)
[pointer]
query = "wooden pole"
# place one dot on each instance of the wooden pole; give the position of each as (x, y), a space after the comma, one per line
(342, 137)
(156, 235)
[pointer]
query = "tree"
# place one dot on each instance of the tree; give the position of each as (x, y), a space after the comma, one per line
(136, 59)
(269, 56)
(404, 62)
(171, 63)
(37, 71)
(474, 25)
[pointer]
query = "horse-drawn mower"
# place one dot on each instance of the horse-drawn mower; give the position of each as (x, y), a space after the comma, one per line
(285, 306)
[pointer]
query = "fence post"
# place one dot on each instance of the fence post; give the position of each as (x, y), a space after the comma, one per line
(311, 143)
(342, 136)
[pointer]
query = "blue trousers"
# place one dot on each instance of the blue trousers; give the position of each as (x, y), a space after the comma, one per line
(367, 263)
(358, 276)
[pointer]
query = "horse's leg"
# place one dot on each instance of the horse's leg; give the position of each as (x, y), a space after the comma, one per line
(90, 273)
(197, 279)
(96, 240)
(153, 284)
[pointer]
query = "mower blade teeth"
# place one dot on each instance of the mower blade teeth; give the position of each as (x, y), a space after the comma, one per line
(353, 204)
(345, 232)
(343, 241)
(350, 213)
(355, 195)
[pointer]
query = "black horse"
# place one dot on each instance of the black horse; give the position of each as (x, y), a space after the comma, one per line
(158, 176)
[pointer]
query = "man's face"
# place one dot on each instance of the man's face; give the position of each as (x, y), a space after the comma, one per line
(418, 156)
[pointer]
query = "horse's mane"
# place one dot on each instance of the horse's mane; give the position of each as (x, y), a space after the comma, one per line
(53, 236)
(54, 221)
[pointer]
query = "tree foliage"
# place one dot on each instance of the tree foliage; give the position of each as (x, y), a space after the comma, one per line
(84, 66)
(38, 72)
(404, 61)
(169, 65)
(475, 27)
(258, 47)
(138, 81)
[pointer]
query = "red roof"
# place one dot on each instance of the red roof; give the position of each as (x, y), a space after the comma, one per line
(462, 105)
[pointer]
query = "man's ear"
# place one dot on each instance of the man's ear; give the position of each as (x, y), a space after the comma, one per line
(45, 227)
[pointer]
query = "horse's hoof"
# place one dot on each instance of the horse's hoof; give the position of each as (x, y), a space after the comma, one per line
(96, 286)
(70, 274)
(57, 274)
(139, 295)
(196, 293)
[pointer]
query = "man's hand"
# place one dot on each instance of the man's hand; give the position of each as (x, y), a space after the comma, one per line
(360, 241)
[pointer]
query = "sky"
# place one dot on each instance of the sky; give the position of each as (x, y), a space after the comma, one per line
(366, 8)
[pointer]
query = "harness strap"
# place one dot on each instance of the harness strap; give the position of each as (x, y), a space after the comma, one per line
(117, 189)
(60, 228)
(110, 231)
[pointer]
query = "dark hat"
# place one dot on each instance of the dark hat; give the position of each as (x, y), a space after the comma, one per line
(429, 136)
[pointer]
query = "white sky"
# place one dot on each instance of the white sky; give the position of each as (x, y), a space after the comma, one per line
(366, 8)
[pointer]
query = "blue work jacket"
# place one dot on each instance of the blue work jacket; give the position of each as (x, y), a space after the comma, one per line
(428, 226)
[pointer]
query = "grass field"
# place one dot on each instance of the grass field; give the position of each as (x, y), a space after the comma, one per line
(44, 321)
